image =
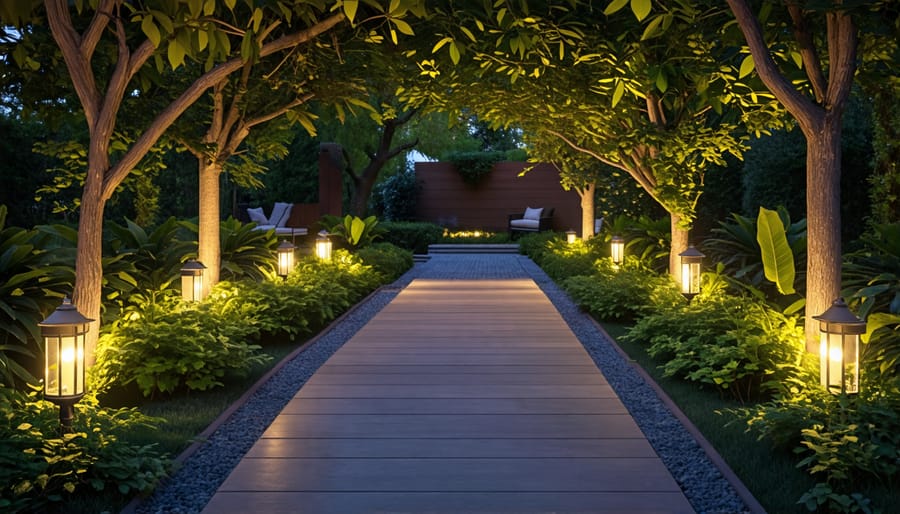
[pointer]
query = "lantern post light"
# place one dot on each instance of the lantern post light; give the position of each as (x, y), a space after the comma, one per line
(64, 334)
(617, 250)
(570, 236)
(285, 258)
(323, 246)
(839, 348)
(690, 271)
(192, 280)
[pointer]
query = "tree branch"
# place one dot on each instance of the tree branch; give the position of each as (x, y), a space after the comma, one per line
(798, 105)
(808, 53)
(842, 45)
(168, 115)
(278, 112)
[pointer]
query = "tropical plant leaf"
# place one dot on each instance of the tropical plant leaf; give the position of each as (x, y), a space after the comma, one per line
(778, 260)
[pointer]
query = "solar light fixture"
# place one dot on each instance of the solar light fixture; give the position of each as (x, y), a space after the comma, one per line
(192, 280)
(690, 271)
(323, 246)
(617, 250)
(285, 258)
(64, 334)
(839, 348)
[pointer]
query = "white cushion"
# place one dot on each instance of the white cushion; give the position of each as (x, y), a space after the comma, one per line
(264, 227)
(257, 216)
(280, 214)
(525, 223)
(598, 224)
(533, 214)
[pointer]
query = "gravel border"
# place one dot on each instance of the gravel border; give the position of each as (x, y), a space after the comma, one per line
(206, 465)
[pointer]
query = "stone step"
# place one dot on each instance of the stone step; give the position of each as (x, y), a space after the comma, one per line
(473, 248)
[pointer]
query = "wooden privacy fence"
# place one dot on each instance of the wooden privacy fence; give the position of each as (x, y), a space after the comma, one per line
(444, 198)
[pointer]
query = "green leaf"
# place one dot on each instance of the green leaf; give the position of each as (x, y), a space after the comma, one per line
(403, 27)
(877, 321)
(175, 54)
(618, 92)
(747, 66)
(148, 26)
(614, 6)
(454, 52)
(662, 83)
(350, 7)
(778, 260)
(640, 8)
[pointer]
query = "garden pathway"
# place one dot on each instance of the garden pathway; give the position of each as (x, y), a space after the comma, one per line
(468, 392)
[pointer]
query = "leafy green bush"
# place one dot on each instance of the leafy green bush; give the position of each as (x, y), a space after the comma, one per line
(738, 346)
(622, 295)
(844, 442)
(537, 244)
(157, 256)
(474, 166)
(33, 280)
(355, 231)
(395, 197)
(563, 260)
(414, 236)
(167, 345)
(389, 260)
(246, 253)
(39, 467)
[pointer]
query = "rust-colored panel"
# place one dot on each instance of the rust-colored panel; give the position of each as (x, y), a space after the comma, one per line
(304, 215)
(330, 179)
(445, 199)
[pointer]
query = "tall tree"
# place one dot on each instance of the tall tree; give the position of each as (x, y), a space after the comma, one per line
(142, 36)
(657, 95)
(825, 43)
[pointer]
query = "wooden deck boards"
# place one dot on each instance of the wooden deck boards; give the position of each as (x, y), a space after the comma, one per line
(459, 396)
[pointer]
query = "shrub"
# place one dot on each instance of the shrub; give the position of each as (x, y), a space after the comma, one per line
(355, 231)
(622, 295)
(167, 345)
(537, 244)
(474, 166)
(387, 259)
(413, 236)
(395, 197)
(738, 346)
(844, 442)
(246, 253)
(562, 260)
(38, 467)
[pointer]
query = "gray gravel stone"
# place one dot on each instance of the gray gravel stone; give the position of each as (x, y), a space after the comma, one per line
(191, 487)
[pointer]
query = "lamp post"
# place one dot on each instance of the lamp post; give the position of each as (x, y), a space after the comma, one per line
(285, 258)
(192, 280)
(690, 271)
(617, 250)
(323, 246)
(570, 236)
(839, 348)
(64, 334)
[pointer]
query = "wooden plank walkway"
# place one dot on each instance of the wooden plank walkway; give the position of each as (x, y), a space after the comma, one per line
(459, 396)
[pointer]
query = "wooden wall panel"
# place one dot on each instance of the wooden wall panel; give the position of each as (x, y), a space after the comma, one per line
(446, 200)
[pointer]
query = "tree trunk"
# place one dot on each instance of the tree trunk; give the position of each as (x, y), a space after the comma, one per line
(587, 211)
(208, 240)
(89, 260)
(680, 241)
(823, 215)
(362, 190)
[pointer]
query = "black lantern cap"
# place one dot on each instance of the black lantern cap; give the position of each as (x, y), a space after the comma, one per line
(65, 315)
(839, 319)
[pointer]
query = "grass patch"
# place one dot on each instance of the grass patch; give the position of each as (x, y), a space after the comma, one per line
(770, 474)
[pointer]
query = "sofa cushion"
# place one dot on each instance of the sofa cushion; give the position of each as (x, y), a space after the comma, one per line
(525, 223)
(533, 214)
(257, 216)
(280, 214)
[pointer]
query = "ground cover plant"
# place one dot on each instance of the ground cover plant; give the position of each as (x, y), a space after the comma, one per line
(156, 347)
